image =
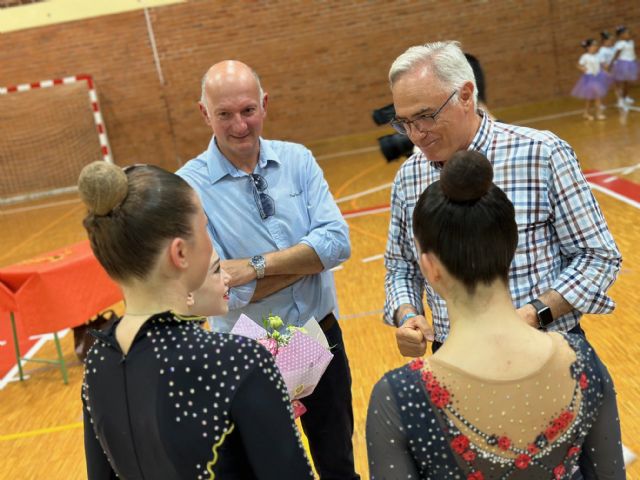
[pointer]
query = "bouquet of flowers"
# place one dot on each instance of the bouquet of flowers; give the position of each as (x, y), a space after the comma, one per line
(301, 354)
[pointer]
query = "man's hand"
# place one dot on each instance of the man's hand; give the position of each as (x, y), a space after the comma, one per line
(529, 315)
(412, 337)
(240, 271)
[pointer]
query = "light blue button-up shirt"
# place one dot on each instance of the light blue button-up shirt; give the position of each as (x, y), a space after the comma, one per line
(305, 212)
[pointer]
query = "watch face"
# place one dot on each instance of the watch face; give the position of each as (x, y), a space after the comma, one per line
(544, 316)
(257, 260)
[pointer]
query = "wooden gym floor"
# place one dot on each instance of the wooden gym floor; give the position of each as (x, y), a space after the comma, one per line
(40, 419)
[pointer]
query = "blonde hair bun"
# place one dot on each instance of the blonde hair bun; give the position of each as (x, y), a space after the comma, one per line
(103, 186)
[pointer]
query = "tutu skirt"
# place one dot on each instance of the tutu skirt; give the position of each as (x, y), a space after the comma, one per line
(625, 70)
(588, 88)
(605, 79)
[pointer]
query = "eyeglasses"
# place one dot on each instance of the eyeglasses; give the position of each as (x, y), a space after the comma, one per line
(425, 121)
(266, 205)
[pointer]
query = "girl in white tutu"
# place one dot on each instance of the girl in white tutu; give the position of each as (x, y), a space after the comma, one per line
(589, 87)
(605, 54)
(625, 66)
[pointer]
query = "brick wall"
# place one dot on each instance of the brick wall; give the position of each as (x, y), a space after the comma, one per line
(324, 64)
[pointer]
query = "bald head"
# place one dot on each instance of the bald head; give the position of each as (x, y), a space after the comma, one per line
(229, 75)
(235, 107)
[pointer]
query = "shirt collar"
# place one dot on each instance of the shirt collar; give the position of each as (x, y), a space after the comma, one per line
(219, 167)
(481, 139)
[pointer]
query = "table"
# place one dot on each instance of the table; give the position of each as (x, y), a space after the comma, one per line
(56, 290)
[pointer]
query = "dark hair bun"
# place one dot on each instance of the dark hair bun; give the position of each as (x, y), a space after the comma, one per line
(103, 186)
(466, 176)
(587, 43)
(605, 35)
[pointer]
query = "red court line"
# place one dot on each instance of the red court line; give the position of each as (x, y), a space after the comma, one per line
(621, 186)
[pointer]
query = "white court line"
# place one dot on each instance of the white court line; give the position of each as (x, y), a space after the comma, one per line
(348, 152)
(335, 269)
(624, 170)
(557, 115)
(37, 207)
(373, 258)
(9, 377)
(615, 195)
(366, 212)
(546, 117)
(49, 336)
(627, 455)
(384, 186)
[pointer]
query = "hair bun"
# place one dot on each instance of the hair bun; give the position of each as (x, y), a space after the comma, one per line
(587, 42)
(466, 176)
(102, 186)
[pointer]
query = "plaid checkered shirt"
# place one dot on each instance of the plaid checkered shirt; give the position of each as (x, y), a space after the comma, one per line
(564, 243)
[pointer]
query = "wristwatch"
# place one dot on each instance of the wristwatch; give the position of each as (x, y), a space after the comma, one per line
(258, 263)
(543, 312)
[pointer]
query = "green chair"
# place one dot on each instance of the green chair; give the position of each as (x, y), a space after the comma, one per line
(8, 304)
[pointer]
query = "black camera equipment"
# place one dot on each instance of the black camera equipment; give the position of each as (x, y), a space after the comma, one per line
(395, 145)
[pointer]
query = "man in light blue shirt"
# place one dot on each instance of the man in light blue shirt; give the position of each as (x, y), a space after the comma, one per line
(279, 232)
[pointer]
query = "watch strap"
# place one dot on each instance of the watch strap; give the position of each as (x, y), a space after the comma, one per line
(543, 312)
(258, 263)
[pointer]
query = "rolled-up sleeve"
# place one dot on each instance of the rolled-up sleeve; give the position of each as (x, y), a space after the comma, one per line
(241, 295)
(328, 232)
(403, 281)
(585, 240)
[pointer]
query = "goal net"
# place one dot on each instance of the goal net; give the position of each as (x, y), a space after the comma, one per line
(49, 130)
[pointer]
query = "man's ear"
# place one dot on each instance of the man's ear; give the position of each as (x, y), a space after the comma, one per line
(205, 113)
(466, 94)
(178, 253)
(265, 99)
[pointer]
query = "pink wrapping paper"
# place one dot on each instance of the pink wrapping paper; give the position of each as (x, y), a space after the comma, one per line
(301, 362)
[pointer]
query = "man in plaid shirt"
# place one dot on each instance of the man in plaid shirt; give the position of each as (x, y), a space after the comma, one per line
(566, 257)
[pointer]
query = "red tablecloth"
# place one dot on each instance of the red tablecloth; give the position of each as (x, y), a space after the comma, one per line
(57, 290)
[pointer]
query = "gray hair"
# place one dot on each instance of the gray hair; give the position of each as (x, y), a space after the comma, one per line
(446, 60)
(203, 95)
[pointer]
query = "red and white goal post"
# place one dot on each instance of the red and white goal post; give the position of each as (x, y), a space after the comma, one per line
(49, 130)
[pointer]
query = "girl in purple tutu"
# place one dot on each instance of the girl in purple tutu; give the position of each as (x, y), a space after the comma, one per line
(589, 87)
(605, 55)
(625, 66)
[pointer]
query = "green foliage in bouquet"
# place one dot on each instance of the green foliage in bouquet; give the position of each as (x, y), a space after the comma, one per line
(276, 330)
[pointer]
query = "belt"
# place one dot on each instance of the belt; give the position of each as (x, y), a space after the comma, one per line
(327, 322)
